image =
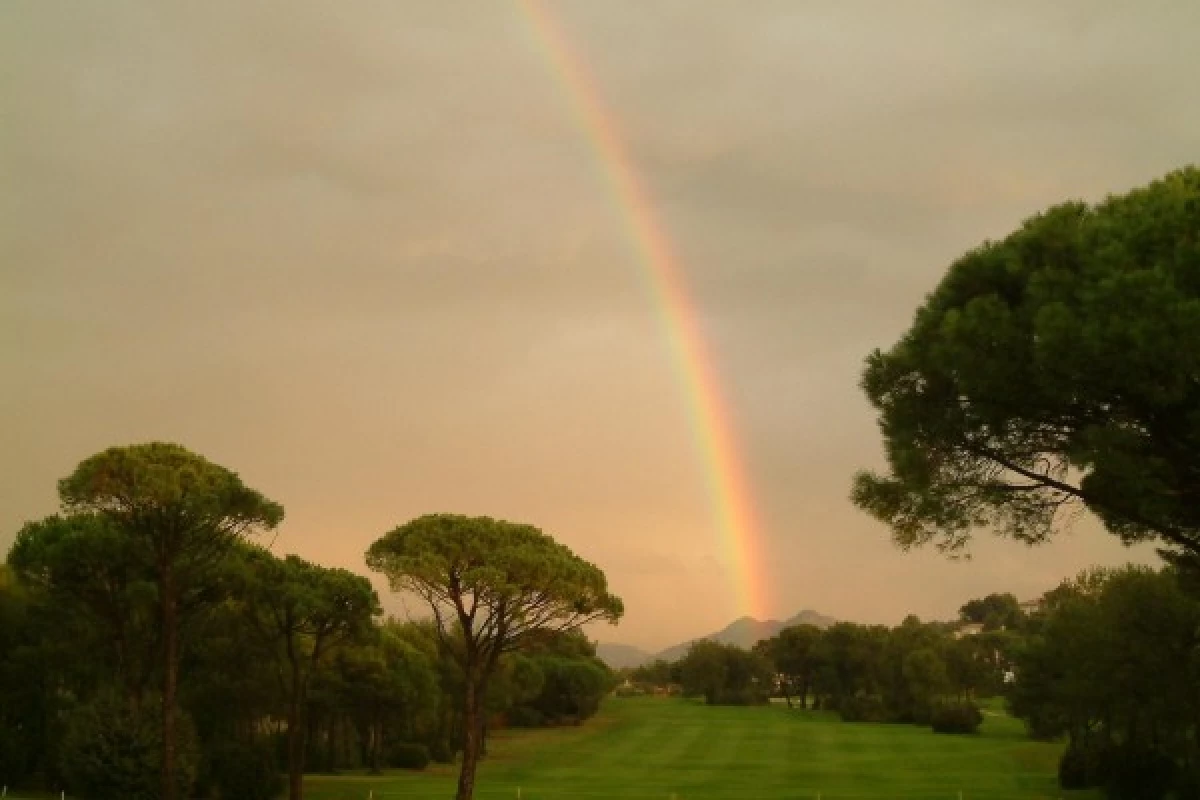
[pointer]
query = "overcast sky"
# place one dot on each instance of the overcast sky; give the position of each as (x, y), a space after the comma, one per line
(362, 254)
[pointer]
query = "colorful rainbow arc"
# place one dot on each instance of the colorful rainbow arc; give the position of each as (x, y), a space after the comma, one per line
(711, 420)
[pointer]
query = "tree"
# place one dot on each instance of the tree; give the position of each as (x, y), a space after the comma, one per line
(1114, 667)
(1051, 368)
(304, 611)
(851, 660)
(925, 674)
(704, 671)
(491, 586)
(994, 612)
(98, 585)
(658, 674)
(186, 514)
(725, 674)
(793, 652)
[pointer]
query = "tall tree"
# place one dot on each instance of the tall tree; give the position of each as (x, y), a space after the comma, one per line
(187, 514)
(304, 611)
(1057, 366)
(491, 585)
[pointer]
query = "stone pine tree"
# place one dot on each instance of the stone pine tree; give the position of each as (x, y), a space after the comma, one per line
(1059, 366)
(186, 514)
(491, 586)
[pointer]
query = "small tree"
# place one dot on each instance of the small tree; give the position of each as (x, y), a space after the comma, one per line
(491, 585)
(185, 514)
(793, 653)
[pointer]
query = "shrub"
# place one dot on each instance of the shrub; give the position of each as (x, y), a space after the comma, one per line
(14, 757)
(956, 718)
(1082, 765)
(112, 752)
(1138, 773)
(862, 708)
(1187, 784)
(408, 755)
(526, 717)
(441, 752)
(245, 771)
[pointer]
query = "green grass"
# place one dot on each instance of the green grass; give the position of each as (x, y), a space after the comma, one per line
(655, 749)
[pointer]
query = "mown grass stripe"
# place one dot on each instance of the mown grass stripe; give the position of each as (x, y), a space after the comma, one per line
(656, 748)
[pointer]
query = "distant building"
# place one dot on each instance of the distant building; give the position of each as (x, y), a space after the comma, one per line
(970, 629)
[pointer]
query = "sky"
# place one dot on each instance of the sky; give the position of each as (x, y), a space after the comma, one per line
(364, 255)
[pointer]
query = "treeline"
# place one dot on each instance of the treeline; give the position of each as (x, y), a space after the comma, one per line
(919, 673)
(1112, 663)
(273, 665)
(1108, 662)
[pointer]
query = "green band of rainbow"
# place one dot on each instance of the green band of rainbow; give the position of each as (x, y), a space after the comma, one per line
(710, 418)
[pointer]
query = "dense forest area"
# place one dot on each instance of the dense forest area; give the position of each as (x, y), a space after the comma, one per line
(282, 665)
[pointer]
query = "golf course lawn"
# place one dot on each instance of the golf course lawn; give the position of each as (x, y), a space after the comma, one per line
(661, 748)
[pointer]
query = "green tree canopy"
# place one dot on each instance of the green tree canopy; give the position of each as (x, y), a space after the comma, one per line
(794, 653)
(994, 612)
(492, 587)
(99, 587)
(303, 611)
(1115, 668)
(185, 514)
(1057, 366)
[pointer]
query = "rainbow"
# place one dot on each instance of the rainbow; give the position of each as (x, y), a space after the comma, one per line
(710, 417)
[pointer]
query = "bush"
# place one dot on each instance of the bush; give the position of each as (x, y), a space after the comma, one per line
(441, 752)
(245, 771)
(526, 717)
(111, 752)
(1138, 773)
(1082, 765)
(1187, 784)
(14, 757)
(956, 718)
(408, 755)
(862, 708)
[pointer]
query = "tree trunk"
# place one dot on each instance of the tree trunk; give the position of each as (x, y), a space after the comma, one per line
(297, 738)
(787, 695)
(295, 752)
(170, 633)
(379, 740)
(331, 734)
(472, 739)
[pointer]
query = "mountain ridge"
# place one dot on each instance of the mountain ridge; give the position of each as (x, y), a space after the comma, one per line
(744, 632)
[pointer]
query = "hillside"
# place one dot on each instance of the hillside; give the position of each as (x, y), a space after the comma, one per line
(747, 631)
(744, 632)
(620, 656)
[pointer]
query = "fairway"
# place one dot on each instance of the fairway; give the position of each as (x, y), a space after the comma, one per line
(662, 748)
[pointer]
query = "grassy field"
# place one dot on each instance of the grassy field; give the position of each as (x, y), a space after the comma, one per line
(656, 749)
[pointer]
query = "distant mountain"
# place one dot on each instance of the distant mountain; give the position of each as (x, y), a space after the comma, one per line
(747, 631)
(619, 656)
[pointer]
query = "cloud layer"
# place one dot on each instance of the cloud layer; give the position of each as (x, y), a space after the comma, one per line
(362, 254)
